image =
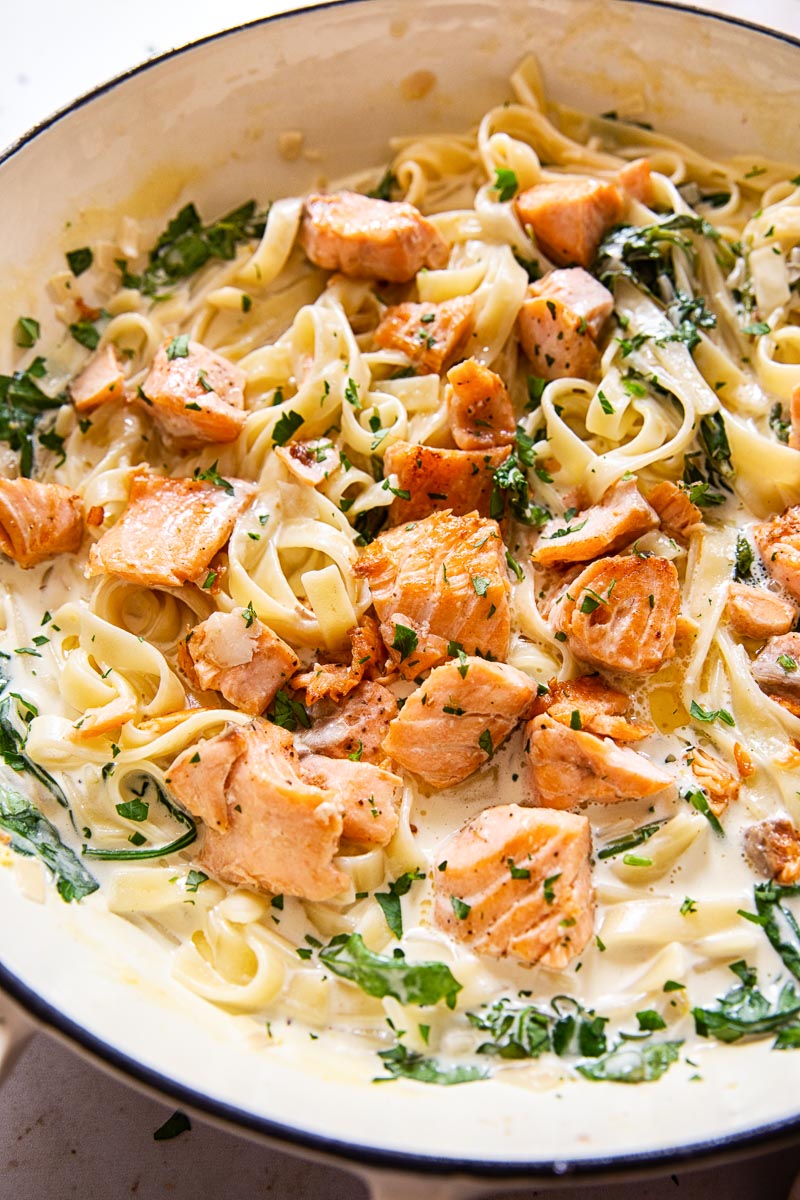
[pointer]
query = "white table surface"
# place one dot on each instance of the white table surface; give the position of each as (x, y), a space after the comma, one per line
(67, 1129)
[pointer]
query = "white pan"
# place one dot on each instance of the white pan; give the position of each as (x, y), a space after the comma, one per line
(201, 123)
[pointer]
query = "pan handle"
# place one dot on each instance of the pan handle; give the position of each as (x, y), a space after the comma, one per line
(392, 1185)
(16, 1029)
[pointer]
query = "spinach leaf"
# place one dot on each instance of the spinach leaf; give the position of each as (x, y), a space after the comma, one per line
(410, 983)
(641, 253)
(383, 190)
(524, 1031)
(390, 901)
(33, 835)
(744, 1011)
(402, 1063)
(510, 485)
(744, 559)
(688, 314)
(22, 403)
(289, 713)
(626, 1063)
(139, 851)
(12, 745)
(779, 923)
(629, 841)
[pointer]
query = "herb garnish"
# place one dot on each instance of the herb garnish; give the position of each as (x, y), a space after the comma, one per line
(162, 795)
(505, 183)
(212, 475)
(744, 1011)
(289, 713)
(405, 641)
(402, 1063)
(33, 835)
(390, 901)
(409, 982)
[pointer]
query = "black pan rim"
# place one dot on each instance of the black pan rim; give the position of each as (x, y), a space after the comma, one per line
(346, 1153)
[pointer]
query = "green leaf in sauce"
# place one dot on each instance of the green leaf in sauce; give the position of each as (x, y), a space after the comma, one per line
(390, 901)
(745, 1011)
(33, 835)
(409, 982)
(402, 1063)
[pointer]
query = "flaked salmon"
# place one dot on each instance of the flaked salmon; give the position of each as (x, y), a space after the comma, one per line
(447, 576)
(589, 703)
(570, 767)
(678, 515)
(719, 784)
(335, 680)
(430, 335)
(621, 613)
(778, 542)
(96, 722)
(194, 395)
(622, 515)
(266, 827)
(570, 217)
(170, 530)
(479, 407)
(579, 292)
(756, 613)
(458, 718)
(354, 728)
(310, 461)
(38, 520)
(460, 481)
(636, 179)
(100, 380)
(517, 881)
(370, 796)
(773, 847)
(370, 239)
(776, 669)
(236, 654)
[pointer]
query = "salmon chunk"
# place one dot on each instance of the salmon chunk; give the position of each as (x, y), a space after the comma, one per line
(570, 767)
(756, 613)
(310, 461)
(335, 680)
(354, 728)
(234, 653)
(370, 239)
(556, 340)
(269, 829)
(430, 335)
(570, 217)
(581, 293)
(447, 575)
(458, 718)
(194, 395)
(794, 417)
(773, 848)
(635, 178)
(778, 542)
(589, 703)
(479, 408)
(100, 380)
(720, 785)
(676, 512)
(38, 520)
(518, 882)
(622, 613)
(370, 796)
(622, 515)
(458, 480)
(170, 530)
(777, 668)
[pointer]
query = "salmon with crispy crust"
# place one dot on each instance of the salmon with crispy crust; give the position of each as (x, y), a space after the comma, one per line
(355, 727)
(447, 577)
(458, 718)
(479, 408)
(170, 530)
(778, 542)
(461, 481)
(589, 703)
(517, 881)
(773, 847)
(621, 613)
(38, 520)
(335, 680)
(678, 515)
(570, 767)
(622, 515)
(430, 335)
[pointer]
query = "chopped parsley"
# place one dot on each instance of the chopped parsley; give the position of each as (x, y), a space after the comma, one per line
(505, 184)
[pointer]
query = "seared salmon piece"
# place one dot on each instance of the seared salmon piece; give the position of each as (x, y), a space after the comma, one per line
(622, 613)
(773, 847)
(778, 542)
(170, 530)
(234, 653)
(776, 669)
(355, 727)
(194, 395)
(635, 178)
(458, 718)
(447, 575)
(269, 829)
(370, 239)
(479, 408)
(460, 481)
(430, 335)
(38, 520)
(599, 708)
(570, 217)
(99, 381)
(622, 515)
(544, 910)
(580, 292)
(570, 767)
(678, 515)
(335, 680)
(310, 461)
(756, 613)
(370, 796)
(794, 417)
(556, 340)
(719, 784)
